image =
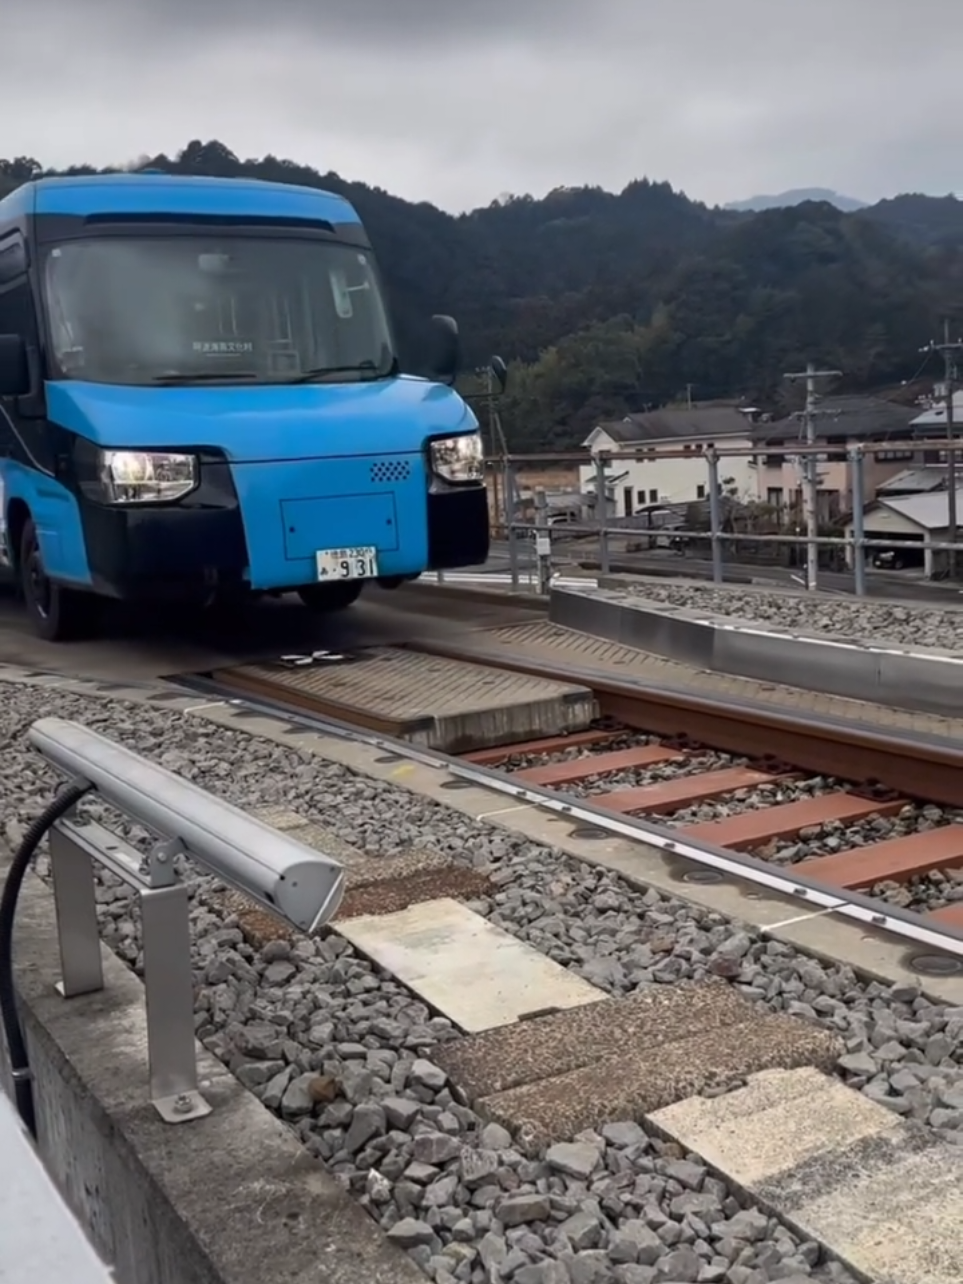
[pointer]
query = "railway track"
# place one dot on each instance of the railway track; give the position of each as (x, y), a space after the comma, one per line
(850, 819)
(485, 1045)
(853, 835)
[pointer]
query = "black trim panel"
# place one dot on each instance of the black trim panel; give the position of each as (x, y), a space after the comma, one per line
(458, 529)
(53, 228)
(175, 551)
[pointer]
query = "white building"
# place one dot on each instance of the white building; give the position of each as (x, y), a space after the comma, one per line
(650, 480)
(906, 522)
(933, 418)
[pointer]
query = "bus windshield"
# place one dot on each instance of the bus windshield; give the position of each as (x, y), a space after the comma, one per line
(234, 308)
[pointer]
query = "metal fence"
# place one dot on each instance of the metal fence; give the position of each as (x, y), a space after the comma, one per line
(544, 535)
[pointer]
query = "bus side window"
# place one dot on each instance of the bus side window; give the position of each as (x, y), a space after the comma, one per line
(25, 431)
(17, 315)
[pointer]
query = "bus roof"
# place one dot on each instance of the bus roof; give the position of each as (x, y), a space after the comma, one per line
(91, 194)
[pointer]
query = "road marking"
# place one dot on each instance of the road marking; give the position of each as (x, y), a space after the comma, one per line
(209, 704)
(462, 965)
(799, 918)
(504, 811)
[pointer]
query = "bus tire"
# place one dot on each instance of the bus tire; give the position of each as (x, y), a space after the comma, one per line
(57, 614)
(325, 598)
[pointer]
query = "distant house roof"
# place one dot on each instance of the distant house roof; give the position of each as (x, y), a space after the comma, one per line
(865, 418)
(935, 416)
(700, 422)
(623, 431)
(932, 511)
(917, 481)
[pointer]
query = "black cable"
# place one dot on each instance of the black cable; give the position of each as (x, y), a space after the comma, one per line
(16, 1044)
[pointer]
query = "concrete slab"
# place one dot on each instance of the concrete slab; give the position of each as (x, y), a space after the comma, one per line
(647, 1076)
(879, 1193)
(550, 1046)
(464, 966)
(618, 1059)
(442, 703)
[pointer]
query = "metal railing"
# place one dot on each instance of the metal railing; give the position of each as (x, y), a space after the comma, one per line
(720, 535)
(296, 883)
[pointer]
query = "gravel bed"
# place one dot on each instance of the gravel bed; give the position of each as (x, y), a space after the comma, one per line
(935, 890)
(635, 777)
(623, 740)
(838, 836)
(902, 625)
(924, 893)
(302, 1024)
(757, 799)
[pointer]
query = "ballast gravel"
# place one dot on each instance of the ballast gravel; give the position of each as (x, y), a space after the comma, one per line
(619, 740)
(861, 621)
(778, 794)
(692, 764)
(925, 893)
(344, 1053)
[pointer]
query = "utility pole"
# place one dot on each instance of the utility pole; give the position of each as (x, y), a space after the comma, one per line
(810, 469)
(949, 349)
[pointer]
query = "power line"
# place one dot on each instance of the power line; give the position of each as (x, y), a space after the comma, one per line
(949, 349)
(810, 468)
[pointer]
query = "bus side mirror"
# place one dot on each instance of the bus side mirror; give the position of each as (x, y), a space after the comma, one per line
(14, 368)
(447, 345)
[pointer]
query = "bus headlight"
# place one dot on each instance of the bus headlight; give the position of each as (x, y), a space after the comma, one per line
(146, 477)
(458, 459)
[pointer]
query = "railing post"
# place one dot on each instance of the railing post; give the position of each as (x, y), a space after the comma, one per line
(857, 462)
(543, 543)
(604, 558)
(72, 874)
(510, 511)
(169, 991)
(602, 511)
(715, 516)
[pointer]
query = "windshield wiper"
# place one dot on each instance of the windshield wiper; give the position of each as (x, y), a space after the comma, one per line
(367, 368)
(204, 376)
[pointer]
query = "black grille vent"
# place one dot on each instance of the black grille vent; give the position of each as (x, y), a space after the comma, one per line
(391, 470)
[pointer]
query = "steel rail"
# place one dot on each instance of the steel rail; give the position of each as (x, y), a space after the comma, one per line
(927, 767)
(737, 865)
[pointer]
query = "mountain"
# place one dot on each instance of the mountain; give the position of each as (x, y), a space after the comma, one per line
(798, 196)
(606, 303)
(920, 220)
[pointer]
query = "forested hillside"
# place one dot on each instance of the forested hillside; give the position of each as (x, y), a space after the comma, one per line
(606, 303)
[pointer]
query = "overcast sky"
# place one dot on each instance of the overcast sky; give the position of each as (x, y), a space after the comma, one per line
(459, 101)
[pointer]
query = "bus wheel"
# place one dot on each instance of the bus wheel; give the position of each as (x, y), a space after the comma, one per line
(330, 597)
(57, 614)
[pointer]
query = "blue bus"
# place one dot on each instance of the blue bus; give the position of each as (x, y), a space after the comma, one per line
(200, 400)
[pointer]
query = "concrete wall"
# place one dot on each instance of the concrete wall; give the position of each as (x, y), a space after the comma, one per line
(230, 1199)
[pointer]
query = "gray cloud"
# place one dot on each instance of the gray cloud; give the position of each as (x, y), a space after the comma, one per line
(457, 101)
